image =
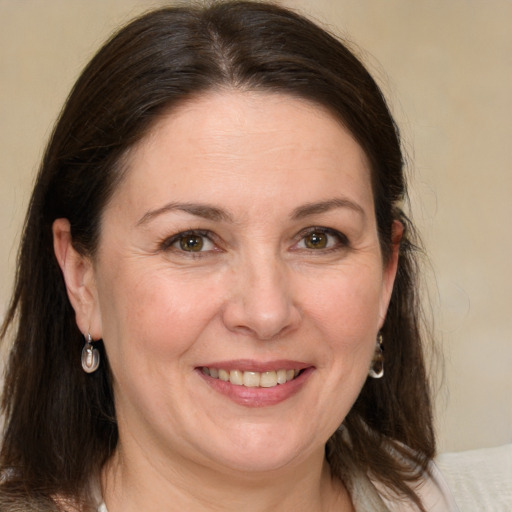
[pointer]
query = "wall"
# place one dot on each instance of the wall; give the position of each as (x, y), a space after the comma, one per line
(447, 70)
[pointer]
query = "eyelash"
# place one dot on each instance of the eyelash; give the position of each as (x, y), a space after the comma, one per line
(168, 243)
(341, 243)
(342, 240)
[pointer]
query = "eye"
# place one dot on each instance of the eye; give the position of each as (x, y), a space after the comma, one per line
(316, 240)
(322, 238)
(190, 241)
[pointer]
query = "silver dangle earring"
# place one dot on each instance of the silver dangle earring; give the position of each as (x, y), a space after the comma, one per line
(90, 356)
(377, 367)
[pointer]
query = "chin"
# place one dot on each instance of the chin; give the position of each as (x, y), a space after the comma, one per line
(257, 462)
(253, 452)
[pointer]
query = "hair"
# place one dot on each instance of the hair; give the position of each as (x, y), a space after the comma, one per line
(60, 423)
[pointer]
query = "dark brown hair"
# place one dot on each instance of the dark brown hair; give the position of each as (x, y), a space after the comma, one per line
(60, 424)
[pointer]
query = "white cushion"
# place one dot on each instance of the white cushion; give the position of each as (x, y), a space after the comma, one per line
(480, 480)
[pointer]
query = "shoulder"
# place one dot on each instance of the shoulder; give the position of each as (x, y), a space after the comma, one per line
(17, 502)
(9, 503)
(432, 490)
(369, 493)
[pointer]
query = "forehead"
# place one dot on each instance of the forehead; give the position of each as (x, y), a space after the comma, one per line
(255, 142)
(218, 116)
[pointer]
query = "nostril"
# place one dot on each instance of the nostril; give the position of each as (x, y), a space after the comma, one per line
(258, 323)
(260, 303)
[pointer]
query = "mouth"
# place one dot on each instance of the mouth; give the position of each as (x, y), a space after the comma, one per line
(255, 383)
(253, 379)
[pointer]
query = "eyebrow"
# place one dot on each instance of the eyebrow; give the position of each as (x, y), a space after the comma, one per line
(213, 213)
(324, 206)
(199, 210)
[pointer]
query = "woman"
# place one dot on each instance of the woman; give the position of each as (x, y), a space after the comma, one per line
(213, 260)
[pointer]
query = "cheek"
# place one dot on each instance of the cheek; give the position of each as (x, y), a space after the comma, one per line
(152, 316)
(350, 303)
(346, 314)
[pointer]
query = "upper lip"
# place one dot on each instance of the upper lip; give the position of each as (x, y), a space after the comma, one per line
(248, 365)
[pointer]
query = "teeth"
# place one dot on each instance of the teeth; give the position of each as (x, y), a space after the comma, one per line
(236, 377)
(281, 377)
(252, 379)
(268, 379)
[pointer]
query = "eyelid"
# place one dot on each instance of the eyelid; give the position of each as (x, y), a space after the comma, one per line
(343, 240)
(168, 242)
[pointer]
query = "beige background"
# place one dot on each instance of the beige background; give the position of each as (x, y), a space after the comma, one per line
(446, 66)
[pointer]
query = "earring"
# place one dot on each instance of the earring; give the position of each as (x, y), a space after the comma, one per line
(90, 356)
(377, 367)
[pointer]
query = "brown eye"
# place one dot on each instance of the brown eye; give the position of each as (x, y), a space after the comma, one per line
(191, 243)
(316, 240)
(322, 239)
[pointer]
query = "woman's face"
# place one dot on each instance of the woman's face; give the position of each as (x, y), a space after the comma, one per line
(239, 283)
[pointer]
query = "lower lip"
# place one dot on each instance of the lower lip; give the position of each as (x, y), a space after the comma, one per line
(258, 397)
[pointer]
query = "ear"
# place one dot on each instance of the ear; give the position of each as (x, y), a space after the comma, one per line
(397, 231)
(78, 273)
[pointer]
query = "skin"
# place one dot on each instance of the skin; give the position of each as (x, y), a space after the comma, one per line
(258, 291)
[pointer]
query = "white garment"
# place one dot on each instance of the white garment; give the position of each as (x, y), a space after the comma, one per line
(370, 496)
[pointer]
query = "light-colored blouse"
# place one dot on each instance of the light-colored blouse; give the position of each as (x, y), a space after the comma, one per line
(432, 490)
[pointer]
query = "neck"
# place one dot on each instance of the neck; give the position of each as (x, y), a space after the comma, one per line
(135, 481)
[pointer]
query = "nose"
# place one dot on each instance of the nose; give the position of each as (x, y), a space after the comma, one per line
(261, 300)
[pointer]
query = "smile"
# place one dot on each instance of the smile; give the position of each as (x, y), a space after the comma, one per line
(252, 379)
